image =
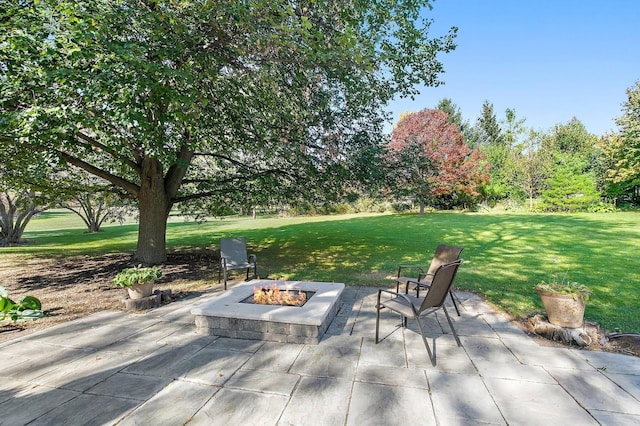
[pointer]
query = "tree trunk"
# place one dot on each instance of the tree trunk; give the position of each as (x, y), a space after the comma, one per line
(531, 199)
(154, 205)
(15, 214)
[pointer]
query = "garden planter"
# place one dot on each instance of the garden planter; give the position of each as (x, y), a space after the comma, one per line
(138, 281)
(563, 309)
(140, 291)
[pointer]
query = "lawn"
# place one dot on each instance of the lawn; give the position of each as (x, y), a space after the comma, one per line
(505, 254)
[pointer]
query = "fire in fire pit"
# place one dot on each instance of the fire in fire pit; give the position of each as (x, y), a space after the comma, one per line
(273, 295)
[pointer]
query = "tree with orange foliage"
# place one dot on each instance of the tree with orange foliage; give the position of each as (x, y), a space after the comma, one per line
(432, 163)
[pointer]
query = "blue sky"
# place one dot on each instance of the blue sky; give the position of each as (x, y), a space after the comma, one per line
(550, 60)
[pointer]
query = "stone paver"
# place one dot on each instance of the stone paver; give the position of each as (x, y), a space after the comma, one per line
(462, 398)
(318, 401)
(139, 369)
(531, 403)
(376, 404)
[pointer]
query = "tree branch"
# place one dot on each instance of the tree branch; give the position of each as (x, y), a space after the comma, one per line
(108, 150)
(175, 174)
(128, 186)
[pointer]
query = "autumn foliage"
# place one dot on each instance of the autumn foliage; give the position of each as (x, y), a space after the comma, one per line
(432, 162)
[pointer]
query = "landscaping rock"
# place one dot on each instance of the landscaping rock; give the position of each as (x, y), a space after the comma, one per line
(580, 335)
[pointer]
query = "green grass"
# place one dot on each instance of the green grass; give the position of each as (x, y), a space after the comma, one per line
(505, 255)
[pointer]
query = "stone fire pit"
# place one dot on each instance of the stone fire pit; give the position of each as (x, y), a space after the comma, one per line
(226, 315)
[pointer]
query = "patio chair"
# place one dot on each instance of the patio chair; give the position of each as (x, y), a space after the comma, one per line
(410, 306)
(443, 254)
(233, 256)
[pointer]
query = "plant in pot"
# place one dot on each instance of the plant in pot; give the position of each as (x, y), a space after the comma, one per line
(138, 280)
(564, 302)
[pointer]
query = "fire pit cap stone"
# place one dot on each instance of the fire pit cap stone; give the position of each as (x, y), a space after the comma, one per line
(314, 311)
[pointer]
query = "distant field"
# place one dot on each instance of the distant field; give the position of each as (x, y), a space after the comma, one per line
(505, 254)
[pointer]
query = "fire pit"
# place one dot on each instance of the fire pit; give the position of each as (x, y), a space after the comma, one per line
(273, 295)
(233, 313)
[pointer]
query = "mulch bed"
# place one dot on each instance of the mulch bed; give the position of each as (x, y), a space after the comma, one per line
(75, 287)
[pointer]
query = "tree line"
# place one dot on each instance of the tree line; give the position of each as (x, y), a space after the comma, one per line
(563, 169)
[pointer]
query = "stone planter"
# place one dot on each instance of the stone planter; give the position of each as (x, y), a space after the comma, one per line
(140, 291)
(564, 310)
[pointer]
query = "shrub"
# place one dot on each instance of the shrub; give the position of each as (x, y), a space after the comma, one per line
(565, 287)
(29, 308)
(137, 275)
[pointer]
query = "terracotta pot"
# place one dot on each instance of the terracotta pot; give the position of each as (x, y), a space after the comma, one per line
(140, 291)
(564, 310)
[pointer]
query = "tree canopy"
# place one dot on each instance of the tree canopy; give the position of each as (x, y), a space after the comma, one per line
(207, 103)
(628, 164)
(432, 163)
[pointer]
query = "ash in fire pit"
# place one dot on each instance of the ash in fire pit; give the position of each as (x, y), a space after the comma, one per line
(274, 295)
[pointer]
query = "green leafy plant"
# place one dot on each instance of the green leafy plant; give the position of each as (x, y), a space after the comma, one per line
(136, 275)
(29, 308)
(565, 287)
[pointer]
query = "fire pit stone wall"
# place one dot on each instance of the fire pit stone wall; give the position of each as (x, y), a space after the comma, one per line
(226, 315)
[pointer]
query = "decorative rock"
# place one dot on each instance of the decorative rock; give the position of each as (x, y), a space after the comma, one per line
(543, 327)
(165, 295)
(152, 301)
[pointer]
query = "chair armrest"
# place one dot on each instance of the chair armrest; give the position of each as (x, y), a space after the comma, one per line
(395, 293)
(424, 275)
(401, 267)
(417, 282)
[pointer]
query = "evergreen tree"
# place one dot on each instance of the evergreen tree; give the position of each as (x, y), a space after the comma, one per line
(571, 185)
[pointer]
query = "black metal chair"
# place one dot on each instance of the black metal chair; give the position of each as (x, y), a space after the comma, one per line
(416, 307)
(443, 254)
(233, 255)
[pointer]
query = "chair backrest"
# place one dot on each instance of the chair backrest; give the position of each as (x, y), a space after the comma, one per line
(234, 250)
(440, 285)
(444, 254)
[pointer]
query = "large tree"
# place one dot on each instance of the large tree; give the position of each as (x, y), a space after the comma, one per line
(626, 171)
(490, 138)
(488, 129)
(431, 162)
(527, 167)
(17, 208)
(611, 171)
(571, 183)
(181, 101)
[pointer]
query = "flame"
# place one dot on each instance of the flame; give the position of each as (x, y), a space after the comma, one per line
(274, 296)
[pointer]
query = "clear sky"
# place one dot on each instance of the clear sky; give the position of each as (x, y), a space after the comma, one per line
(550, 60)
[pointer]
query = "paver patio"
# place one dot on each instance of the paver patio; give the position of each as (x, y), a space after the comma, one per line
(153, 368)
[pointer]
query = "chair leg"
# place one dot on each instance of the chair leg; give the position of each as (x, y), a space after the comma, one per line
(451, 325)
(453, 299)
(378, 317)
(426, 344)
(225, 279)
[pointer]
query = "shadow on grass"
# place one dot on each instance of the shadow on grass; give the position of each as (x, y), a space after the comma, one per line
(505, 255)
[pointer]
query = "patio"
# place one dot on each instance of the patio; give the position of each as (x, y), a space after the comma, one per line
(154, 368)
